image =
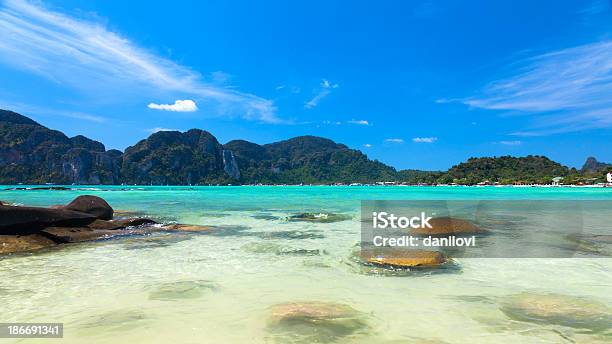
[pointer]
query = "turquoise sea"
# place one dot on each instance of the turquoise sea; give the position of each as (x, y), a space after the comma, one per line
(220, 287)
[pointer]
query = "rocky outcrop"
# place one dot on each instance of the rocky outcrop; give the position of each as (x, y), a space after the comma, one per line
(591, 165)
(230, 166)
(24, 243)
(91, 205)
(86, 218)
(27, 220)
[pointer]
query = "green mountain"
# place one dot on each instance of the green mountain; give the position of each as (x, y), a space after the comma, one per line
(175, 158)
(306, 159)
(32, 153)
(505, 170)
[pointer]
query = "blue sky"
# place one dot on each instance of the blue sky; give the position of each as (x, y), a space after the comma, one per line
(415, 84)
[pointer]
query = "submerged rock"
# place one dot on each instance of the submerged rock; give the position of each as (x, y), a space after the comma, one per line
(597, 244)
(319, 217)
(154, 241)
(93, 205)
(403, 258)
(558, 309)
(265, 217)
(262, 247)
(181, 290)
(122, 320)
(300, 252)
(265, 247)
(449, 226)
(290, 235)
(591, 239)
(314, 322)
(187, 228)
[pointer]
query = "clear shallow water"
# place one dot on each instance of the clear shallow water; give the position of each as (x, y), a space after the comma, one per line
(219, 287)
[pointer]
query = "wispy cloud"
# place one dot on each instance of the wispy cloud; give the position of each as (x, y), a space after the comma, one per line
(424, 139)
(186, 105)
(86, 55)
(565, 90)
(158, 129)
(367, 145)
(325, 88)
(38, 111)
(394, 140)
(510, 143)
(359, 122)
(596, 7)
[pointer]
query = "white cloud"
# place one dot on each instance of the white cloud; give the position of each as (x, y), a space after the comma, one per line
(367, 145)
(325, 89)
(424, 139)
(511, 143)
(565, 90)
(86, 55)
(395, 140)
(186, 105)
(359, 122)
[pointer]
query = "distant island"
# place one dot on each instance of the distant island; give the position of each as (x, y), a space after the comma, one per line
(33, 154)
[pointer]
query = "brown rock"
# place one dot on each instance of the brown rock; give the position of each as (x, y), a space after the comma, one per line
(186, 228)
(24, 243)
(403, 258)
(82, 234)
(28, 220)
(448, 226)
(92, 205)
(76, 234)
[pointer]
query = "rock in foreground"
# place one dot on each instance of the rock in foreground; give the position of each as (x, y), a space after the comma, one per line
(86, 218)
(28, 220)
(558, 309)
(314, 322)
(24, 243)
(93, 205)
(449, 226)
(403, 258)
